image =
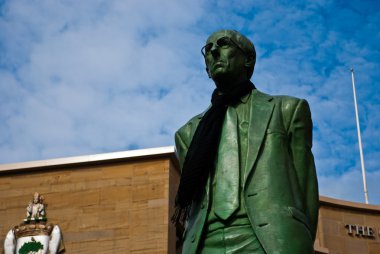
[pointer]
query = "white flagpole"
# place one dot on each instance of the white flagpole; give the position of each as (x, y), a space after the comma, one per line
(359, 138)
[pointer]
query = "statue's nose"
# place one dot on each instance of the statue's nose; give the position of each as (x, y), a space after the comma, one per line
(214, 49)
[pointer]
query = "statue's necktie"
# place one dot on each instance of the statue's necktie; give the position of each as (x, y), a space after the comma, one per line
(226, 192)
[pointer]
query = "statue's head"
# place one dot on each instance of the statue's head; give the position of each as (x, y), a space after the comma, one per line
(229, 56)
(36, 198)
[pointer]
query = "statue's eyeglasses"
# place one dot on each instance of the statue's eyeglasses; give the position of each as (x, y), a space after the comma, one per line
(223, 43)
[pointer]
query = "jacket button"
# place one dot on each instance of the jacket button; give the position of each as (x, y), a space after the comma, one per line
(193, 238)
(203, 205)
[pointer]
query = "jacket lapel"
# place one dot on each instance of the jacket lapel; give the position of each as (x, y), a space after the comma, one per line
(261, 111)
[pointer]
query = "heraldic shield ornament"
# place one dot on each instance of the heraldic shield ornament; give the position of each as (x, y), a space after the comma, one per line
(34, 235)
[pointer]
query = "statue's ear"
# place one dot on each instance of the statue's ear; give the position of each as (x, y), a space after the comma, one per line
(249, 62)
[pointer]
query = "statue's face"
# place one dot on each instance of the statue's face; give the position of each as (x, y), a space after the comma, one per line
(225, 60)
(36, 198)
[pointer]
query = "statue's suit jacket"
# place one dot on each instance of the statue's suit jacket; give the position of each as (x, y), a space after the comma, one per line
(280, 189)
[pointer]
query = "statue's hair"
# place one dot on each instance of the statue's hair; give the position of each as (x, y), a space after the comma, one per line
(245, 44)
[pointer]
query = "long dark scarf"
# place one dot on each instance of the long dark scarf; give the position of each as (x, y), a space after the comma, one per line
(200, 157)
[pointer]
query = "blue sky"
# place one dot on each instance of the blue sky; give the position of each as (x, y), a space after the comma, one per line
(86, 77)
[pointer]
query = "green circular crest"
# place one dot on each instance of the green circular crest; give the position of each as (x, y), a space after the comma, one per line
(32, 246)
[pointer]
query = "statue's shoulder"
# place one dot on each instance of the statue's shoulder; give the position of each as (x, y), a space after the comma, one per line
(287, 103)
(189, 127)
(289, 106)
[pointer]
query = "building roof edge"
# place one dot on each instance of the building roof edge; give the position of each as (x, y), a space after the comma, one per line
(327, 201)
(90, 159)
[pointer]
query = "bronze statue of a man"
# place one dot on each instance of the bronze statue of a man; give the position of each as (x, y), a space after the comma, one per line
(248, 181)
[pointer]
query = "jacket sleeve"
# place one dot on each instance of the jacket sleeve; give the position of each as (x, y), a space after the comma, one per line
(300, 141)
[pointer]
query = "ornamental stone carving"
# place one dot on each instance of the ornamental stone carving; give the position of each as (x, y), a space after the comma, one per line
(34, 235)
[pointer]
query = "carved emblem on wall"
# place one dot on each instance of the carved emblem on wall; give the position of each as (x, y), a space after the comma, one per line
(34, 235)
